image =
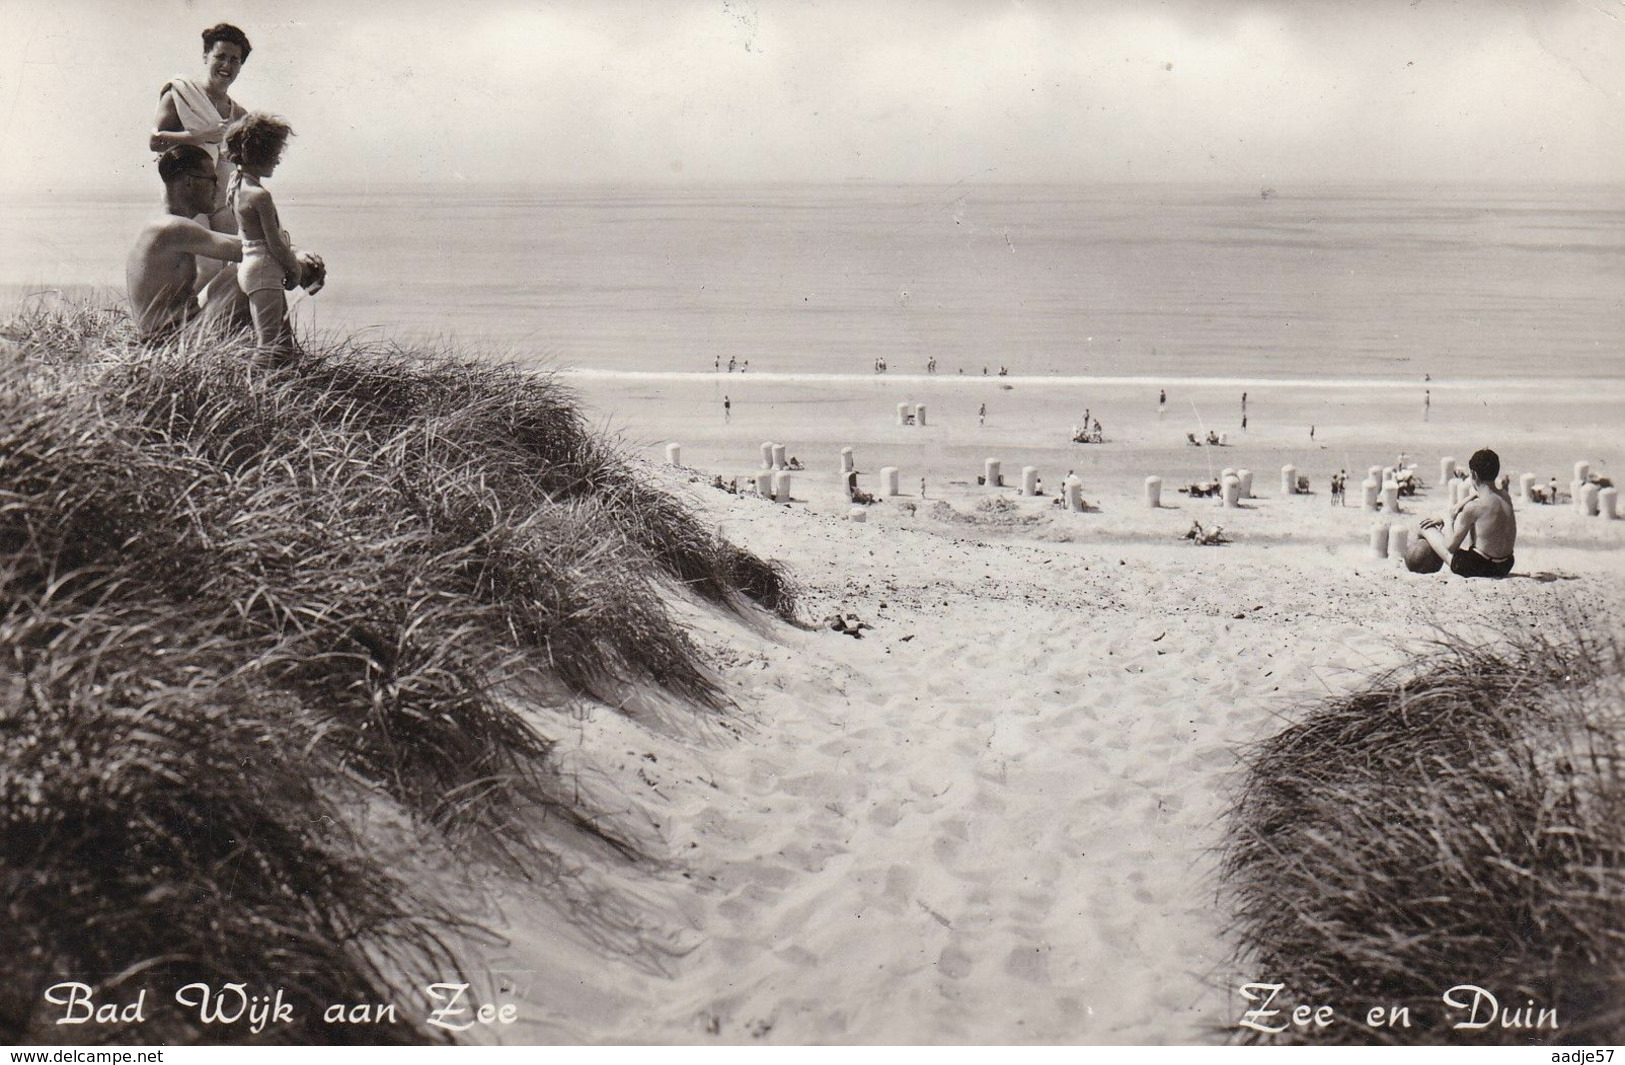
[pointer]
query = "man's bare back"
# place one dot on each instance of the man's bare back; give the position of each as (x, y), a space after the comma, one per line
(1485, 518)
(161, 271)
(1493, 529)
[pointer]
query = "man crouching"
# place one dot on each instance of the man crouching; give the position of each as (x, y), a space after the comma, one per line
(161, 270)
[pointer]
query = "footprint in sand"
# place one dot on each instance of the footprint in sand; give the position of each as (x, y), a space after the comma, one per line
(954, 963)
(799, 957)
(900, 882)
(813, 858)
(886, 813)
(1029, 963)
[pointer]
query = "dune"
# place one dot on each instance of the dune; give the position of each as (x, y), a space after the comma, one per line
(992, 817)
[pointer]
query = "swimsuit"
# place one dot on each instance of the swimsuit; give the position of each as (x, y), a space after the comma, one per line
(260, 269)
(1469, 563)
(197, 113)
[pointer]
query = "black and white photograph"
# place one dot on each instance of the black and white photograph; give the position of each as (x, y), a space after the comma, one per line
(789, 523)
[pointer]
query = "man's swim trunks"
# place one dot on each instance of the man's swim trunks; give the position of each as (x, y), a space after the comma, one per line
(1469, 563)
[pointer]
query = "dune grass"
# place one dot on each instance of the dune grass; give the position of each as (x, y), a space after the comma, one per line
(238, 605)
(1459, 821)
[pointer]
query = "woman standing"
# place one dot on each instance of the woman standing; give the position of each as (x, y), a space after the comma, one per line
(195, 110)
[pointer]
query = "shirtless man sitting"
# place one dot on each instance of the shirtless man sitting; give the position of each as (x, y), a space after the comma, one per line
(1485, 516)
(161, 271)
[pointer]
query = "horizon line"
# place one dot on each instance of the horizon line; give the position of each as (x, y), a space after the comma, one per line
(1280, 188)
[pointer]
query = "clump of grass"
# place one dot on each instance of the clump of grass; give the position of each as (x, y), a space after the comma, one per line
(53, 332)
(1458, 821)
(163, 824)
(239, 605)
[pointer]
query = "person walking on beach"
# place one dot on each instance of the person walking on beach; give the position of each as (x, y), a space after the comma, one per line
(1427, 403)
(727, 409)
(922, 487)
(981, 415)
(1485, 517)
(1162, 398)
(1311, 433)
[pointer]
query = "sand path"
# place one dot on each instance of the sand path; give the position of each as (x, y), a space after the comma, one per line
(991, 819)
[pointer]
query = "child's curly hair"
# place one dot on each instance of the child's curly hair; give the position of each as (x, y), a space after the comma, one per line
(256, 138)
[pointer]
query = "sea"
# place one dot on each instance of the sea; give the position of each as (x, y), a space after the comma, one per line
(1374, 283)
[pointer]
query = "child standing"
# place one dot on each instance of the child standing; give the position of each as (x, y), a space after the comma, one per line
(255, 143)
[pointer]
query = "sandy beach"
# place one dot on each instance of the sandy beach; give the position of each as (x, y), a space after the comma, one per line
(1537, 425)
(992, 818)
(424, 661)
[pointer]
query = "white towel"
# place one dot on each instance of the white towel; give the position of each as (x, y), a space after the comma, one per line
(197, 112)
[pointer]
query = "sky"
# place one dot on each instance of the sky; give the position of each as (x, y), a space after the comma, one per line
(1260, 93)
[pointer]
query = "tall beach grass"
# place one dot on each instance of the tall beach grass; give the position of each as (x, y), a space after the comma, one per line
(1460, 821)
(240, 605)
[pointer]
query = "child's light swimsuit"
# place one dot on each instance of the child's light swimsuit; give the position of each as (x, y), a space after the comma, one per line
(260, 269)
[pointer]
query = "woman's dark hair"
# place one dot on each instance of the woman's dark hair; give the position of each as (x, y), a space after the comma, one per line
(256, 138)
(225, 31)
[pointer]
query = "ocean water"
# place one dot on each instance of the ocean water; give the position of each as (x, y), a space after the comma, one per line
(1147, 281)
